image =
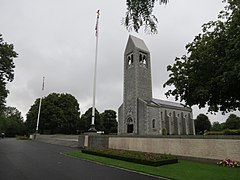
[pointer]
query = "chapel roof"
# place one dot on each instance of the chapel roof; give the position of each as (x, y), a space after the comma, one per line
(139, 43)
(164, 103)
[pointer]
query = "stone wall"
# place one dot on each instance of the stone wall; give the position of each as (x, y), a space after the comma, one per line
(64, 140)
(212, 148)
(194, 147)
(93, 141)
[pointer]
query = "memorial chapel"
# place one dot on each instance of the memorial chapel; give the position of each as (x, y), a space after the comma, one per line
(140, 113)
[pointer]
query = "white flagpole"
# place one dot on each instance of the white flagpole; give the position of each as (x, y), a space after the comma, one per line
(92, 128)
(39, 109)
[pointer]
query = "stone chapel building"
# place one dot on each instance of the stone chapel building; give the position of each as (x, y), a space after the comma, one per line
(140, 113)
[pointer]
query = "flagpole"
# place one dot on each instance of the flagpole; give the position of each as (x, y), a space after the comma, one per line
(92, 127)
(39, 108)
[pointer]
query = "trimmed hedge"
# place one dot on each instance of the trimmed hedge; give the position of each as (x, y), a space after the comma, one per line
(224, 132)
(134, 156)
(22, 138)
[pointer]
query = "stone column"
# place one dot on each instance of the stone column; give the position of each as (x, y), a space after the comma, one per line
(176, 124)
(160, 122)
(170, 123)
(186, 124)
(194, 133)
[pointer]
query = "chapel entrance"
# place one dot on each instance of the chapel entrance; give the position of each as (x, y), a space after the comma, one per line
(129, 125)
(130, 128)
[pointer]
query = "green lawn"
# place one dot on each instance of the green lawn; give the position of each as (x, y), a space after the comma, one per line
(183, 170)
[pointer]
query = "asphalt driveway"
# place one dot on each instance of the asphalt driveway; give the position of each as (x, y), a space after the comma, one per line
(23, 159)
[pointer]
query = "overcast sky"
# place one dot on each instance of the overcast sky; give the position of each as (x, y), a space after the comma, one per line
(56, 39)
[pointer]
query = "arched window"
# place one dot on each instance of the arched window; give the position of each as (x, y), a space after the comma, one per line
(143, 59)
(154, 123)
(130, 60)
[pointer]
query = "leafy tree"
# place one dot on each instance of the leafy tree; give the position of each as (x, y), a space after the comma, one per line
(202, 124)
(6, 69)
(11, 122)
(108, 118)
(139, 13)
(209, 73)
(216, 126)
(59, 114)
(86, 120)
(233, 122)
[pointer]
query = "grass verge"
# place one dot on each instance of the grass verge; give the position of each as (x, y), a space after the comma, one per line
(184, 170)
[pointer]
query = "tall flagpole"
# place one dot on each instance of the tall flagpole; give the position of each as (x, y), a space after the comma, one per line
(39, 108)
(92, 128)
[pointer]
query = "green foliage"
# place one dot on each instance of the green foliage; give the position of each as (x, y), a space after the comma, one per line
(139, 13)
(224, 132)
(6, 69)
(216, 126)
(105, 121)
(109, 120)
(209, 73)
(164, 131)
(86, 120)
(214, 133)
(11, 122)
(202, 124)
(231, 132)
(233, 122)
(151, 159)
(59, 114)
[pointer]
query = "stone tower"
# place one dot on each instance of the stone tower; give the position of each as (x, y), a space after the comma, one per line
(140, 113)
(137, 84)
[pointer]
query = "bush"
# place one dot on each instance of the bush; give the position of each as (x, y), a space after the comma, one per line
(224, 132)
(213, 133)
(22, 137)
(231, 132)
(134, 156)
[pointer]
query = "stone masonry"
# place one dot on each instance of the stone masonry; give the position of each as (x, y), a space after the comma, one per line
(140, 113)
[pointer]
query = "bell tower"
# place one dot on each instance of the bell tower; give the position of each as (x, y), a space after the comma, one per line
(137, 82)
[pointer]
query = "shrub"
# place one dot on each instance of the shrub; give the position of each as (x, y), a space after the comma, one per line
(22, 137)
(224, 132)
(231, 132)
(134, 156)
(164, 131)
(213, 133)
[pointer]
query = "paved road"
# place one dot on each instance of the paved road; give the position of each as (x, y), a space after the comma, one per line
(23, 160)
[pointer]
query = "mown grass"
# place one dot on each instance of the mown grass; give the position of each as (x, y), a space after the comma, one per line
(183, 170)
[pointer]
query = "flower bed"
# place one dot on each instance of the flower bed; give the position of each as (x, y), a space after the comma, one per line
(228, 163)
(134, 156)
(22, 137)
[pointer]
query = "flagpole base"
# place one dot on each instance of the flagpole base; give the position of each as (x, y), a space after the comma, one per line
(92, 129)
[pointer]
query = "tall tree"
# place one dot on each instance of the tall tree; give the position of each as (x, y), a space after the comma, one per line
(209, 73)
(202, 124)
(233, 122)
(7, 54)
(140, 13)
(216, 126)
(60, 113)
(109, 120)
(11, 122)
(86, 119)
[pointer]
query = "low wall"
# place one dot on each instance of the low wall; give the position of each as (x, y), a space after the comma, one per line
(93, 141)
(64, 140)
(200, 147)
(212, 148)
